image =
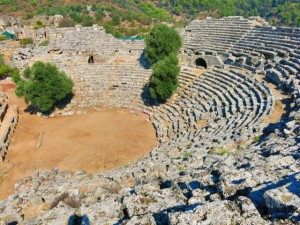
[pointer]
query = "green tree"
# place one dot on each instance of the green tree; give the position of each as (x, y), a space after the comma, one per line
(161, 41)
(87, 21)
(164, 79)
(66, 22)
(43, 85)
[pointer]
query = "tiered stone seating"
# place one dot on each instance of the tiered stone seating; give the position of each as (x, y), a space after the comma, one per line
(241, 38)
(218, 35)
(118, 85)
(231, 101)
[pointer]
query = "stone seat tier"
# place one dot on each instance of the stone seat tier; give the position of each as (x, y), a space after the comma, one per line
(237, 101)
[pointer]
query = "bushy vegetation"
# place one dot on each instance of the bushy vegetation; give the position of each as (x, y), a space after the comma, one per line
(161, 41)
(26, 41)
(38, 24)
(44, 43)
(162, 45)
(5, 70)
(43, 85)
(66, 22)
(224, 152)
(120, 18)
(283, 12)
(3, 38)
(164, 79)
(256, 139)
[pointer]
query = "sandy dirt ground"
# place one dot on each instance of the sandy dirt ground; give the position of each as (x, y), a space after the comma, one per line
(280, 101)
(94, 142)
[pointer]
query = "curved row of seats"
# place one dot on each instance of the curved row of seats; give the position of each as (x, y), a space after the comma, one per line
(229, 101)
(240, 37)
(117, 85)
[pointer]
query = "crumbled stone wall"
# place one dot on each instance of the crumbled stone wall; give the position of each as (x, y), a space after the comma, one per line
(106, 70)
(8, 124)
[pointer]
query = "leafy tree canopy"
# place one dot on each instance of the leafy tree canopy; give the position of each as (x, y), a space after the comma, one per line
(164, 81)
(43, 85)
(160, 42)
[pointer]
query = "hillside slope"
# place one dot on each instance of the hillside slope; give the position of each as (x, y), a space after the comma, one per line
(135, 17)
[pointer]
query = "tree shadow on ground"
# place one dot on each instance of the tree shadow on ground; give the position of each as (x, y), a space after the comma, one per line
(146, 97)
(143, 61)
(32, 109)
(63, 103)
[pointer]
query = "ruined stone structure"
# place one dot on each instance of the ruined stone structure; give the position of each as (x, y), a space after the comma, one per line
(106, 71)
(184, 179)
(8, 122)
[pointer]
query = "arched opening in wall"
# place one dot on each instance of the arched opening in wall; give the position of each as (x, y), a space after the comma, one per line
(201, 63)
(91, 59)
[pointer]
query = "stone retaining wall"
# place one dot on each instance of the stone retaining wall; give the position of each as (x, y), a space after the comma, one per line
(9, 121)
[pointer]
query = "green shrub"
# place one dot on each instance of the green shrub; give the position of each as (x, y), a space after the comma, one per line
(26, 41)
(188, 154)
(3, 38)
(29, 15)
(224, 152)
(66, 22)
(38, 24)
(4, 71)
(44, 43)
(161, 42)
(164, 79)
(12, 8)
(256, 139)
(180, 168)
(7, 71)
(33, 2)
(87, 21)
(1, 60)
(44, 86)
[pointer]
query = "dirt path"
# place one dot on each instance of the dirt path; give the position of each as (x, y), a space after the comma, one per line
(93, 142)
(280, 103)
